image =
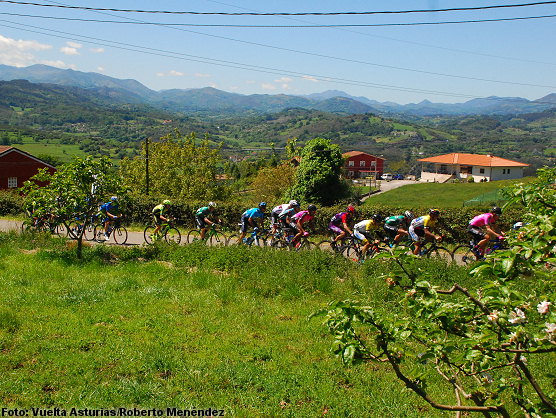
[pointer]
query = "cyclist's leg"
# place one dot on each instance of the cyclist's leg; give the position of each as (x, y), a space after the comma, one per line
(416, 236)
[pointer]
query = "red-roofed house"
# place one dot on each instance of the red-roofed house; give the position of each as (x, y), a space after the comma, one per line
(17, 166)
(360, 164)
(460, 166)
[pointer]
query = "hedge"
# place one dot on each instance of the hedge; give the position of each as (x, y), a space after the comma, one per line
(138, 210)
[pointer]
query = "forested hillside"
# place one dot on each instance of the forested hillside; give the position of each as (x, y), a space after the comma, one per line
(102, 121)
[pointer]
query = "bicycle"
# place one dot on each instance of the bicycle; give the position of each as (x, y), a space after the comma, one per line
(75, 228)
(432, 249)
(213, 236)
(469, 254)
(353, 249)
(50, 223)
(283, 239)
(168, 232)
(256, 238)
(115, 230)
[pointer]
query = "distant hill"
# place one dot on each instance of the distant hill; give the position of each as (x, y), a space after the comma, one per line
(213, 102)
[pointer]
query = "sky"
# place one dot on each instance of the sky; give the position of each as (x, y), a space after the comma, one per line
(404, 64)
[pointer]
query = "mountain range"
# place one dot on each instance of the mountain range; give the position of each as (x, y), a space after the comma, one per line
(212, 101)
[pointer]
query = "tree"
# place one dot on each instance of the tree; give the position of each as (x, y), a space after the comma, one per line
(178, 167)
(272, 183)
(75, 191)
(317, 178)
(491, 346)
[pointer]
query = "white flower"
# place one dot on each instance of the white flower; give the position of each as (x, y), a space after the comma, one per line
(543, 307)
(550, 327)
(513, 337)
(523, 360)
(517, 317)
(493, 316)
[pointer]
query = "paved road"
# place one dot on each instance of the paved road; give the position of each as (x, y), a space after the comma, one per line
(386, 186)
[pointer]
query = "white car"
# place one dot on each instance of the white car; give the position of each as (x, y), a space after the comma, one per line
(386, 176)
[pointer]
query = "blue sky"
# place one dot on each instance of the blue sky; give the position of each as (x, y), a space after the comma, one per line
(441, 63)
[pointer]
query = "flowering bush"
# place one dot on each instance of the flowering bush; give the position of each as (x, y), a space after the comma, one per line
(490, 345)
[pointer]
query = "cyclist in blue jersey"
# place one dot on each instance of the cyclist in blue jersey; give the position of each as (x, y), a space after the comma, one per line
(252, 218)
(110, 211)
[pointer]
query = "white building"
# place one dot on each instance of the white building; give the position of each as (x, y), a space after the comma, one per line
(445, 167)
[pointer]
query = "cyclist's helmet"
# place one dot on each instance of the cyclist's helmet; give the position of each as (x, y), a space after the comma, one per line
(496, 210)
(311, 208)
(408, 214)
(262, 205)
(294, 203)
(166, 202)
(377, 218)
(517, 225)
(351, 209)
(114, 198)
(434, 212)
(212, 205)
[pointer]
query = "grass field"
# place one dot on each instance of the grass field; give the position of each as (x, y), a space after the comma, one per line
(438, 194)
(64, 152)
(200, 327)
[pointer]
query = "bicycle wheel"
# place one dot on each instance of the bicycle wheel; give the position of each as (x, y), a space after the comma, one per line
(74, 229)
(148, 233)
(27, 226)
(172, 235)
(304, 245)
(60, 230)
(89, 233)
(193, 235)
(327, 245)
(440, 253)
(217, 239)
(98, 233)
(120, 235)
(351, 252)
(233, 239)
(463, 255)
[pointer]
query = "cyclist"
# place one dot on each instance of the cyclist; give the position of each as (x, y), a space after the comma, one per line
(298, 221)
(110, 212)
(278, 210)
(251, 218)
(339, 223)
(365, 230)
(160, 216)
(420, 228)
(483, 228)
(397, 226)
(202, 218)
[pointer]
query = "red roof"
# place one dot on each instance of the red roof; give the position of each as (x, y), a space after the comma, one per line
(473, 159)
(356, 153)
(4, 148)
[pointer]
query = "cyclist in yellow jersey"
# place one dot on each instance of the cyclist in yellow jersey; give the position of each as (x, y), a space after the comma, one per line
(420, 227)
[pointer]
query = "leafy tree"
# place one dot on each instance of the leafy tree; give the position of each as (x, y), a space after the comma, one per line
(75, 191)
(272, 183)
(178, 167)
(491, 346)
(318, 176)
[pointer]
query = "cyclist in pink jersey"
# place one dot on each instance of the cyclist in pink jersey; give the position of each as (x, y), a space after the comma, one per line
(299, 220)
(483, 228)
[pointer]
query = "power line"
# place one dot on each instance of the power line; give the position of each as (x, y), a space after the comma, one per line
(348, 25)
(313, 54)
(455, 9)
(231, 64)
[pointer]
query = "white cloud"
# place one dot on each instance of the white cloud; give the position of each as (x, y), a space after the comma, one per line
(268, 86)
(74, 45)
(100, 69)
(68, 50)
(250, 82)
(97, 50)
(283, 80)
(310, 78)
(201, 75)
(171, 73)
(16, 52)
(213, 85)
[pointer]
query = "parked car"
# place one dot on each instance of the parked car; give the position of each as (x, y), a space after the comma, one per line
(398, 177)
(386, 176)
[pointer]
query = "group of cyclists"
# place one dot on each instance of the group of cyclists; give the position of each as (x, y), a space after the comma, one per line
(289, 216)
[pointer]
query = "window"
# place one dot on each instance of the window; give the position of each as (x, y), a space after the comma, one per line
(503, 171)
(12, 182)
(508, 172)
(373, 164)
(482, 170)
(351, 163)
(362, 163)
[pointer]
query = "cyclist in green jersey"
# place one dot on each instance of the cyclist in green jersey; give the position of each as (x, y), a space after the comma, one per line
(202, 218)
(160, 215)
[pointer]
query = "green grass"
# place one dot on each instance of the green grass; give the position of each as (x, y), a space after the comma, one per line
(441, 195)
(202, 327)
(64, 152)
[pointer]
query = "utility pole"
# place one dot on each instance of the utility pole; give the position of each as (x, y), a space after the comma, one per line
(147, 164)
